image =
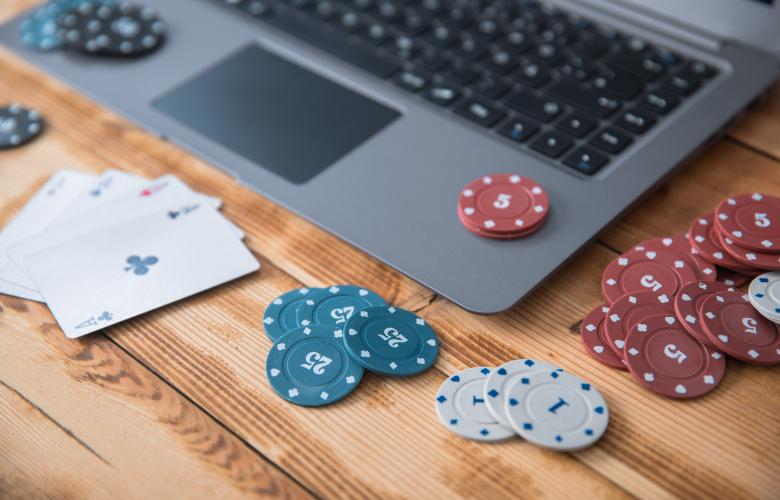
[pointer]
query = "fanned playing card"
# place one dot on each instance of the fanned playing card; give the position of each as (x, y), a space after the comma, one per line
(111, 274)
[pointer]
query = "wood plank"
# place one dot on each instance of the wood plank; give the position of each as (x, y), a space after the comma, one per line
(83, 419)
(761, 127)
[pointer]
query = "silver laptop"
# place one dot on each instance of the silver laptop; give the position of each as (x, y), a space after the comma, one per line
(367, 117)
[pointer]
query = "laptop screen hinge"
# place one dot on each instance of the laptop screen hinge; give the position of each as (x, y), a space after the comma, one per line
(648, 19)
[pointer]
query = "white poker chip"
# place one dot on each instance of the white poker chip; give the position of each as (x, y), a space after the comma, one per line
(460, 405)
(764, 293)
(556, 410)
(502, 378)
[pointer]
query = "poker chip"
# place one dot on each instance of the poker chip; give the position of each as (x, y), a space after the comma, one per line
(764, 294)
(594, 339)
(122, 29)
(666, 359)
(391, 341)
(309, 366)
(497, 236)
(630, 309)
(703, 236)
(39, 30)
(18, 126)
(687, 304)
(500, 379)
(281, 315)
(733, 278)
(503, 205)
(460, 406)
(738, 329)
(752, 221)
(556, 410)
(660, 271)
(753, 258)
(680, 244)
(334, 306)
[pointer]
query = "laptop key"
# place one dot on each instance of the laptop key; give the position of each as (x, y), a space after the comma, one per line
(532, 74)
(611, 140)
(442, 94)
(635, 120)
(461, 72)
(413, 80)
(683, 83)
(500, 61)
(519, 129)
(619, 83)
(660, 101)
(544, 110)
(698, 68)
(552, 144)
(638, 63)
(577, 124)
(586, 160)
(480, 111)
(591, 101)
(490, 87)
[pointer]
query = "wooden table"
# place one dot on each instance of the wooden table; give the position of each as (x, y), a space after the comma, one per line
(176, 404)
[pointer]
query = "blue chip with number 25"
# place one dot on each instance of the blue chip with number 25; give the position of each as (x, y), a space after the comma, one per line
(391, 341)
(281, 315)
(335, 305)
(309, 366)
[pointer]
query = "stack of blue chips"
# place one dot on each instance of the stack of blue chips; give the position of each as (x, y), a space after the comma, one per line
(324, 338)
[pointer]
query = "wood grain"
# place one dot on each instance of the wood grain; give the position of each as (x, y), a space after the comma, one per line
(187, 382)
(761, 127)
(83, 418)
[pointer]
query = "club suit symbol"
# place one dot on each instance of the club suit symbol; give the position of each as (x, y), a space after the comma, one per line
(140, 266)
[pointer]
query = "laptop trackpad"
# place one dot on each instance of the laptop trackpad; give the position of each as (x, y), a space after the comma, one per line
(275, 113)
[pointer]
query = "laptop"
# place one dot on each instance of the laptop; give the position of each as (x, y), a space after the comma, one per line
(368, 117)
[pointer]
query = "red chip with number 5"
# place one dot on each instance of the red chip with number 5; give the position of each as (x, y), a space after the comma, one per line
(734, 326)
(666, 359)
(503, 205)
(751, 220)
(660, 271)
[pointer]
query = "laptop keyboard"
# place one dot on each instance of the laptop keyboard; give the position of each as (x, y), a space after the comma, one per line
(574, 91)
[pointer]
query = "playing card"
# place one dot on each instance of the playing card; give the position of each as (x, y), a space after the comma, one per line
(167, 192)
(56, 194)
(115, 273)
(109, 185)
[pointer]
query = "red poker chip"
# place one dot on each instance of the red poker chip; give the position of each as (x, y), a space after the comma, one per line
(679, 243)
(687, 304)
(703, 236)
(751, 220)
(499, 236)
(660, 271)
(733, 278)
(503, 203)
(592, 336)
(666, 359)
(734, 326)
(630, 309)
(754, 258)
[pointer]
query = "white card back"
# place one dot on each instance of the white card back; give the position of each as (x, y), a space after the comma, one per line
(115, 273)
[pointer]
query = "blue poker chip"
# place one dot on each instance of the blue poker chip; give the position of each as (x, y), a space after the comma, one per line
(40, 30)
(281, 315)
(309, 366)
(391, 341)
(334, 306)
